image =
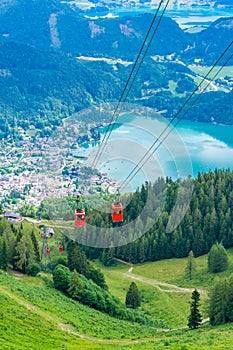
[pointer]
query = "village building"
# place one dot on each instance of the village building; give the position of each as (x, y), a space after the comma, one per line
(14, 217)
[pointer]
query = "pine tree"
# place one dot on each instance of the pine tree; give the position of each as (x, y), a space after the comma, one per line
(74, 256)
(190, 267)
(83, 264)
(77, 259)
(3, 256)
(36, 247)
(132, 299)
(15, 255)
(229, 297)
(217, 258)
(195, 317)
(75, 286)
(10, 239)
(25, 252)
(217, 304)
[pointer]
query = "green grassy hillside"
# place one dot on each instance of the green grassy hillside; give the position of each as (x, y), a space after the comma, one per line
(165, 291)
(35, 316)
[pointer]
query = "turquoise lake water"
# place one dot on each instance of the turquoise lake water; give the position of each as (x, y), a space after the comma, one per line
(195, 147)
(190, 148)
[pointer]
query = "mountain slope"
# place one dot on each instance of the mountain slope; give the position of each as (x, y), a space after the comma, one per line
(39, 87)
(41, 80)
(51, 24)
(210, 43)
(35, 316)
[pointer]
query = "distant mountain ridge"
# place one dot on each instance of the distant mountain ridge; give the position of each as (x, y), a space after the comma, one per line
(51, 24)
(41, 79)
(210, 43)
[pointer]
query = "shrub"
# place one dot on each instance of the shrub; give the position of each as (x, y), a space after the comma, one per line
(61, 277)
(33, 269)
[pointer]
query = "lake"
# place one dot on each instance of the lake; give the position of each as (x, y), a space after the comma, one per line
(185, 16)
(191, 147)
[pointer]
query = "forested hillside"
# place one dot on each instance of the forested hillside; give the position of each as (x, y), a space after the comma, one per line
(208, 219)
(53, 25)
(42, 81)
(75, 280)
(40, 88)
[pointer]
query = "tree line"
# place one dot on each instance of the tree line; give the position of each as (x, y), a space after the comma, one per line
(208, 219)
(73, 273)
(18, 249)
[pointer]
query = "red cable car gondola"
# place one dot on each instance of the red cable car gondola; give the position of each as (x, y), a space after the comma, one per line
(47, 250)
(80, 218)
(61, 248)
(117, 210)
(79, 215)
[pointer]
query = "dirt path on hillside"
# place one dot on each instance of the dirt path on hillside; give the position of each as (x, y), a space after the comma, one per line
(171, 288)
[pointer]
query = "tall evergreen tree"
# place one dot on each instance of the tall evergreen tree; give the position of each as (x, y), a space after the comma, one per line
(190, 267)
(83, 264)
(217, 304)
(229, 297)
(217, 258)
(132, 297)
(15, 255)
(76, 260)
(75, 287)
(36, 247)
(9, 238)
(195, 317)
(3, 256)
(25, 252)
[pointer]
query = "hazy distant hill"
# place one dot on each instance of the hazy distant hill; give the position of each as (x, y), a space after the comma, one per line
(48, 24)
(210, 43)
(40, 87)
(51, 24)
(225, 3)
(42, 81)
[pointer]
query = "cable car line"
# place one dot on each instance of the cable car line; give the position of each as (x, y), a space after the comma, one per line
(138, 166)
(139, 66)
(115, 114)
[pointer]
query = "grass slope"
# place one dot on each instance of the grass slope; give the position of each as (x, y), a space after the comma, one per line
(165, 291)
(61, 312)
(34, 316)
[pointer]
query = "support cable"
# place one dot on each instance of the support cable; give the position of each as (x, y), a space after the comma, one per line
(122, 98)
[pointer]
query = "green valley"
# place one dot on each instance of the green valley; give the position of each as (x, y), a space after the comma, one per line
(35, 316)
